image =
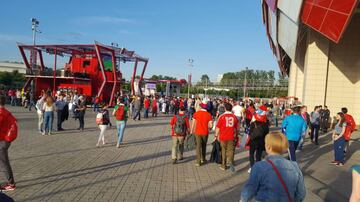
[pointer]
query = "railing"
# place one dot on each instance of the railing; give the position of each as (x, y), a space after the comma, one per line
(58, 73)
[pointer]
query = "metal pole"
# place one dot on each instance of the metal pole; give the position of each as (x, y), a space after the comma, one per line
(245, 83)
(190, 76)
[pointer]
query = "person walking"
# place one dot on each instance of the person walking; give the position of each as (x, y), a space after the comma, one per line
(315, 125)
(137, 108)
(276, 112)
(226, 131)
(305, 115)
(180, 127)
(48, 109)
(103, 120)
(201, 123)
(339, 140)
(294, 127)
(238, 111)
(121, 114)
(257, 133)
(81, 112)
(275, 178)
(8, 133)
(60, 106)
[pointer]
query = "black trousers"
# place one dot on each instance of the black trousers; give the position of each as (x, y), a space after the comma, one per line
(81, 120)
(5, 167)
(59, 121)
(255, 152)
(314, 133)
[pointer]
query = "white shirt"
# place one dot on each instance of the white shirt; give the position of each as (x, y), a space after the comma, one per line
(238, 110)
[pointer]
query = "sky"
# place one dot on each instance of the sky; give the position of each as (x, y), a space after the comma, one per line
(220, 36)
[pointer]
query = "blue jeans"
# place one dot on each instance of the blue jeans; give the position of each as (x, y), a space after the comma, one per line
(315, 133)
(292, 149)
(146, 113)
(339, 149)
(48, 118)
(120, 125)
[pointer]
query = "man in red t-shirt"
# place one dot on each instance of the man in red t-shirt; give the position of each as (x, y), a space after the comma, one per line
(146, 107)
(350, 127)
(179, 129)
(226, 130)
(201, 123)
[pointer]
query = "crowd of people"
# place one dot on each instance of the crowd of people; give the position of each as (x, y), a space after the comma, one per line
(235, 123)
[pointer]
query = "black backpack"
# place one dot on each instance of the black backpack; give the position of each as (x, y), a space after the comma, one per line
(180, 126)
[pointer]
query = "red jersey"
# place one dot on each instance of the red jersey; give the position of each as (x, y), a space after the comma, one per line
(202, 118)
(350, 126)
(173, 121)
(227, 123)
(250, 111)
(146, 103)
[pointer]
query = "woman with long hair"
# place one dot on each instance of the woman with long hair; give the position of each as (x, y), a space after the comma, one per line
(48, 109)
(103, 124)
(339, 140)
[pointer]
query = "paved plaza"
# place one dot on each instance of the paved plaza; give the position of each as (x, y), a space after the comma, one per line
(67, 166)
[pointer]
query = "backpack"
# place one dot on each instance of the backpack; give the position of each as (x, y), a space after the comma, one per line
(180, 126)
(120, 113)
(99, 118)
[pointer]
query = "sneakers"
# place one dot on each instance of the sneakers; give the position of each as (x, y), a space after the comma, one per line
(174, 161)
(8, 187)
(232, 167)
(197, 164)
(339, 164)
(249, 171)
(334, 162)
(222, 168)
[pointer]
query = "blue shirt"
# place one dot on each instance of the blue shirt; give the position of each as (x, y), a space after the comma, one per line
(60, 104)
(294, 126)
(264, 184)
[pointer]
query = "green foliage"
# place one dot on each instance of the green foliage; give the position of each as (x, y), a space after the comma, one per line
(8, 79)
(161, 77)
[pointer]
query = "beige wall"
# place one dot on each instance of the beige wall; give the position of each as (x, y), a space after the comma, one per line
(330, 74)
(344, 71)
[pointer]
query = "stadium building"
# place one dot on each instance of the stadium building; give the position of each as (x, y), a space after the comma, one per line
(317, 44)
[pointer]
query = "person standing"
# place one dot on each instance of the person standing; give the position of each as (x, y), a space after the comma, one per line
(350, 127)
(120, 112)
(339, 140)
(60, 105)
(226, 131)
(8, 133)
(103, 123)
(146, 107)
(325, 119)
(39, 109)
(238, 111)
(315, 124)
(48, 109)
(294, 127)
(180, 127)
(81, 112)
(276, 178)
(276, 113)
(154, 107)
(201, 123)
(257, 133)
(137, 108)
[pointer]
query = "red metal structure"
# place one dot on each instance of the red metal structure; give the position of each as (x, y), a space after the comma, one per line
(92, 70)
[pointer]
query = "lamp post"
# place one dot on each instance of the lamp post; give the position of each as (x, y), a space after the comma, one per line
(245, 82)
(191, 61)
(34, 26)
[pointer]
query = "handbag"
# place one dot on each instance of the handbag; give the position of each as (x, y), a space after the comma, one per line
(281, 179)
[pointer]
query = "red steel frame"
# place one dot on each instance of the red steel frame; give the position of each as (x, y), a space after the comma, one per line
(117, 54)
